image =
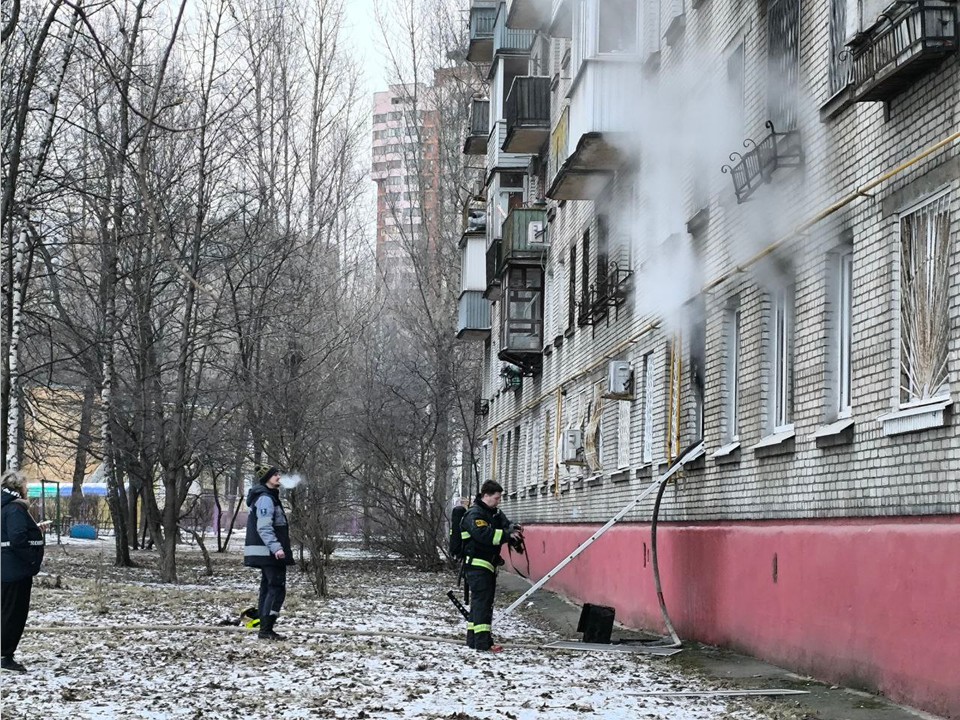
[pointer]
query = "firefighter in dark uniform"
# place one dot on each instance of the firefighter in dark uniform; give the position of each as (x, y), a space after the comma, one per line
(489, 529)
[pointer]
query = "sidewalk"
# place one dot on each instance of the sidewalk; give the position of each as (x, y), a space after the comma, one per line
(734, 671)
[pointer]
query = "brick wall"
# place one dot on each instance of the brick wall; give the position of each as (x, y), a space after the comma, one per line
(874, 474)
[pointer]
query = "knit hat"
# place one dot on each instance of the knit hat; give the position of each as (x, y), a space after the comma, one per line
(264, 473)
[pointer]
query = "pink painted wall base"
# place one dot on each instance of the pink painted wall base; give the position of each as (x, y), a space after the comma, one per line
(868, 604)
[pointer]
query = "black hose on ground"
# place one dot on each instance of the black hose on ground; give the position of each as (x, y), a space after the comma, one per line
(675, 639)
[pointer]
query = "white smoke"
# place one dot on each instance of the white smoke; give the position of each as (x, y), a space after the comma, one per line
(290, 481)
(687, 126)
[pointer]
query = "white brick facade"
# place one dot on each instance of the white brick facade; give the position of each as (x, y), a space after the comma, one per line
(861, 471)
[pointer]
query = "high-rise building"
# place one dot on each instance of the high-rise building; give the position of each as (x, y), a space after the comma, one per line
(404, 142)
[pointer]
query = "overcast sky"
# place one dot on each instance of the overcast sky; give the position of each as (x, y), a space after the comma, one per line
(367, 41)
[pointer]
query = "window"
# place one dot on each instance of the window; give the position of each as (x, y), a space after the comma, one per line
(782, 359)
(648, 408)
(840, 66)
(698, 355)
(618, 26)
(735, 87)
(924, 300)
(623, 434)
(520, 458)
(585, 279)
(732, 371)
(843, 321)
(572, 287)
(603, 255)
(783, 62)
(651, 28)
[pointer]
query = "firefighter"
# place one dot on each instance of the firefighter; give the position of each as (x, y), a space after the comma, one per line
(488, 530)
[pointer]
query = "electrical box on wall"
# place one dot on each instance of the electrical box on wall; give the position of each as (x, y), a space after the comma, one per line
(536, 233)
(619, 380)
(571, 450)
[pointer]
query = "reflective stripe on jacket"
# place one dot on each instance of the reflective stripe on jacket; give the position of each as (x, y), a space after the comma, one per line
(487, 529)
(21, 540)
(267, 529)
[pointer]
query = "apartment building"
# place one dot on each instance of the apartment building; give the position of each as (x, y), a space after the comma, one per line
(728, 233)
(404, 143)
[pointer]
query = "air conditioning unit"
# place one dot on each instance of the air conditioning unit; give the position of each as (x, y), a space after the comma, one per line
(619, 380)
(571, 447)
(536, 233)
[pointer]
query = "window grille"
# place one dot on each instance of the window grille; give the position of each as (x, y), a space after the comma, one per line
(924, 301)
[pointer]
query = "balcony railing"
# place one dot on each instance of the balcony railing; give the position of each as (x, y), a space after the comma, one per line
(510, 41)
(476, 142)
(524, 236)
(911, 38)
(755, 167)
(527, 112)
(483, 18)
(473, 321)
(493, 270)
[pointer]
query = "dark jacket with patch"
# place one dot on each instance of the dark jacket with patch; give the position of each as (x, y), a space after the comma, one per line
(489, 531)
(21, 540)
(267, 529)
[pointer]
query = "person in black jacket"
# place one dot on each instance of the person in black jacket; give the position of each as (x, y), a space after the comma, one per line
(21, 554)
(267, 546)
(488, 530)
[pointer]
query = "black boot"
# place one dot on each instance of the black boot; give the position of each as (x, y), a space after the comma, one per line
(266, 629)
(8, 663)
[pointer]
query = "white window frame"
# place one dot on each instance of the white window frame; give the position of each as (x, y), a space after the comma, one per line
(598, 27)
(732, 372)
(937, 203)
(648, 424)
(623, 433)
(650, 21)
(843, 338)
(782, 359)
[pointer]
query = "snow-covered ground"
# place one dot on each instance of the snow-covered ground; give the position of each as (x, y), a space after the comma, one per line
(126, 660)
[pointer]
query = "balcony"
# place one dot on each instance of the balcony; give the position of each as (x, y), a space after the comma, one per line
(476, 142)
(473, 273)
(524, 237)
(497, 159)
(528, 14)
(483, 17)
(521, 332)
(473, 322)
(527, 114)
(595, 136)
(508, 40)
(755, 167)
(493, 271)
(909, 39)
